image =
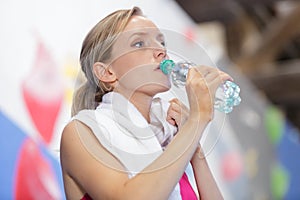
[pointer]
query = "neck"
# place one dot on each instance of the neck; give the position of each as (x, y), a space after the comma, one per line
(141, 101)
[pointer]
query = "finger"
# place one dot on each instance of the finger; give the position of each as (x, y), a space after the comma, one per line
(219, 76)
(225, 76)
(210, 73)
(171, 121)
(183, 107)
(212, 76)
(175, 106)
(193, 75)
(174, 114)
(214, 84)
(205, 74)
(175, 100)
(199, 71)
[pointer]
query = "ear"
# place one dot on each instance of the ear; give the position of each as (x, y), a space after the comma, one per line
(104, 73)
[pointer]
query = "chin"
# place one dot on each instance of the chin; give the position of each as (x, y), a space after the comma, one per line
(165, 87)
(162, 89)
(153, 90)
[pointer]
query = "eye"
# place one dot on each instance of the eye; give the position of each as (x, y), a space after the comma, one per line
(138, 44)
(163, 43)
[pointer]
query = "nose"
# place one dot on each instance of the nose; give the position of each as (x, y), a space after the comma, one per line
(160, 53)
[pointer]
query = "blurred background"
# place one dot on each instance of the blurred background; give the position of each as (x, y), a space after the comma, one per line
(257, 42)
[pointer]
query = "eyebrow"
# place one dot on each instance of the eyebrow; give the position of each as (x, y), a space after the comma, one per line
(138, 34)
(161, 36)
(141, 33)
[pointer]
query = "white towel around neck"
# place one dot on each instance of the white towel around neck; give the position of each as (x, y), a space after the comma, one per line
(125, 133)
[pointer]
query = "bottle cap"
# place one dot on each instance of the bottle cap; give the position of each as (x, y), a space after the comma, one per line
(166, 66)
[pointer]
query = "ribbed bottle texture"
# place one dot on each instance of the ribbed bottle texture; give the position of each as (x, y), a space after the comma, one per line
(227, 95)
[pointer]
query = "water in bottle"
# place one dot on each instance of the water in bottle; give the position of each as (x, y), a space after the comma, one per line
(227, 95)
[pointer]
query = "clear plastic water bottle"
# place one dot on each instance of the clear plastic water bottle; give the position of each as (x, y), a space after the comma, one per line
(227, 95)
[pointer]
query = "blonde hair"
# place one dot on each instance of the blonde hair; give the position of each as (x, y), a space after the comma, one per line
(97, 47)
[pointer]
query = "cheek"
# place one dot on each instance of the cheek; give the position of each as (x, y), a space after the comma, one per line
(120, 68)
(136, 77)
(124, 64)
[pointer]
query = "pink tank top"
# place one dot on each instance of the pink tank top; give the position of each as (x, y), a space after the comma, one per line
(86, 197)
(186, 190)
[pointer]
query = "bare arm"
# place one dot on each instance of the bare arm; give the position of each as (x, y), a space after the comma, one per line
(206, 184)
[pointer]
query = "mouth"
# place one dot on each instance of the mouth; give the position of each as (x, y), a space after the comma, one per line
(157, 67)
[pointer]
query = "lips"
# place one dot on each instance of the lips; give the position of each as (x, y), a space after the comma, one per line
(157, 67)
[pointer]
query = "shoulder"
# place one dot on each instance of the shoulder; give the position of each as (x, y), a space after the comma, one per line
(70, 141)
(81, 153)
(71, 130)
(79, 145)
(73, 135)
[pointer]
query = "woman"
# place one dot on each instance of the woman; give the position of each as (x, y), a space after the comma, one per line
(121, 142)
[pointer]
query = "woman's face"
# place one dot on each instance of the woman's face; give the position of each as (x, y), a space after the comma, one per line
(136, 56)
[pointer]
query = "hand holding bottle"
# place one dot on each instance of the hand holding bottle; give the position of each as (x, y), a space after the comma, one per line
(227, 94)
(201, 85)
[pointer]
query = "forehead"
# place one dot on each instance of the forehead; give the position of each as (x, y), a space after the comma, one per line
(136, 26)
(140, 22)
